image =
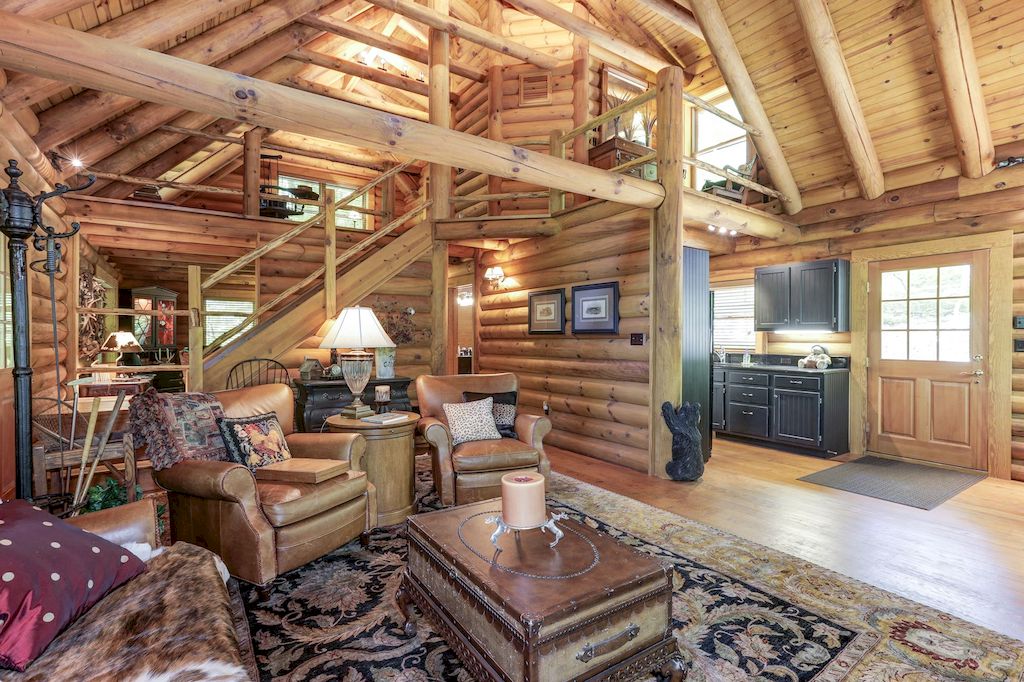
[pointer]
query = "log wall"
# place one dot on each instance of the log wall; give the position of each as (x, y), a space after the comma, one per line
(595, 385)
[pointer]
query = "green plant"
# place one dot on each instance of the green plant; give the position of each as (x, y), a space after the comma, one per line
(113, 493)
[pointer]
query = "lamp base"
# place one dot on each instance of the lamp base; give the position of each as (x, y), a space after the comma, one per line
(357, 410)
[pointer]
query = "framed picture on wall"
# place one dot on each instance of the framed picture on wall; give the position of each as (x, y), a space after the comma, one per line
(547, 312)
(595, 308)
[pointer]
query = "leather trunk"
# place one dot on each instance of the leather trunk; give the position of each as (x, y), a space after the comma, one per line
(589, 608)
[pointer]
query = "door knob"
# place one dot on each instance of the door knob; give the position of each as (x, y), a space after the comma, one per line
(975, 373)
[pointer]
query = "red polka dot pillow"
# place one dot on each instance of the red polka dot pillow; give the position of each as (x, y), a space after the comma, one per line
(50, 574)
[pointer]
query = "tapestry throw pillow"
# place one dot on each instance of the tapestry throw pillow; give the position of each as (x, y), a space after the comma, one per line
(471, 421)
(50, 574)
(254, 441)
(504, 410)
(176, 426)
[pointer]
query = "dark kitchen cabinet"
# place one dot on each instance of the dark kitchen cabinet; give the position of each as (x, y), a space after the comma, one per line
(718, 405)
(797, 417)
(809, 296)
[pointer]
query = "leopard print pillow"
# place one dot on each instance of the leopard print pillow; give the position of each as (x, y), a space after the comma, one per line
(471, 421)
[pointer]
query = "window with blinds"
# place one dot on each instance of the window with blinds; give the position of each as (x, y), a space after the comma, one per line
(222, 315)
(734, 317)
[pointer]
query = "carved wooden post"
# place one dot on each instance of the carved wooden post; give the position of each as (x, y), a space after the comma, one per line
(251, 171)
(330, 255)
(666, 274)
(196, 340)
(439, 106)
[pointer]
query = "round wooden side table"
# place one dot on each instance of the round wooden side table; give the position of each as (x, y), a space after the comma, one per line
(390, 462)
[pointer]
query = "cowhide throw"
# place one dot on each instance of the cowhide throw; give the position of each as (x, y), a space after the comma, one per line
(173, 622)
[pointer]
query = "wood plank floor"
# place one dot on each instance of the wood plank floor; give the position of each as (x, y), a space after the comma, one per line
(965, 557)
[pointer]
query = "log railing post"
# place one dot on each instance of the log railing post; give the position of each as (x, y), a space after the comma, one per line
(195, 328)
(556, 199)
(251, 142)
(440, 189)
(330, 255)
(666, 267)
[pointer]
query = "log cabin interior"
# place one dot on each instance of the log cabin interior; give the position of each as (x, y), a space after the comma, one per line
(512, 340)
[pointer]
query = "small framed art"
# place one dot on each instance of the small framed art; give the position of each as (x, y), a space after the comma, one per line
(547, 312)
(595, 308)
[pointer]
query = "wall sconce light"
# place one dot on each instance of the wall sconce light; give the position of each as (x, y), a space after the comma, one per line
(494, 274)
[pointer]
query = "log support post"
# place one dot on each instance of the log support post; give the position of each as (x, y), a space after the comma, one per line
(556, 197)
(494, 107)
(330, 256)
(666, 267)
(440, 191)
(196, 341)
(251, 142)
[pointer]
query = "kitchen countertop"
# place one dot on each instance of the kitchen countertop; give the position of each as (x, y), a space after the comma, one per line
(781, 368)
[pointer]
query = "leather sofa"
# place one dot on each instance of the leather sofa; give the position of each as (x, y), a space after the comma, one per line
(263, 528)
(472, 471)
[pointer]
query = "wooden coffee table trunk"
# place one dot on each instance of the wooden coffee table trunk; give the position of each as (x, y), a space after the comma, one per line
(590, 608)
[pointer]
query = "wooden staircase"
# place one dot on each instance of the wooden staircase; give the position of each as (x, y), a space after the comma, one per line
(283, 330)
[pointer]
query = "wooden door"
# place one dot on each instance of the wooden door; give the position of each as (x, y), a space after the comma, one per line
(928, 358)
(771, 298)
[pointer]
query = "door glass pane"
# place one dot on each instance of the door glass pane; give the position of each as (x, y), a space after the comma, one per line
(955, 346)
(894, 285)
(922, 345)
(922, 314)
(894, 315)
(955, 280)
(894, 345)
(955, 313)
(924, 282)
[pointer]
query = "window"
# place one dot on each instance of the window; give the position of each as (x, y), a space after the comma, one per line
(926, 314)
(734, 317)
(345, 219)
(637, 125)
(718, 142)
(6, 314)
(223, 315)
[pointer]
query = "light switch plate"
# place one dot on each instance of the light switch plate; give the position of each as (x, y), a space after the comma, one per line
(637, 339)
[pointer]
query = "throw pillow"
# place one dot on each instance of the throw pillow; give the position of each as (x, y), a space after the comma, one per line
(471, 421)
(254, 441)
(504, 410)
(50, 574)
(175, 427)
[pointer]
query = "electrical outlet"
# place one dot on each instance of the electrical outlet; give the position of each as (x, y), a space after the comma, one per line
(1018, 345)
(547, 408)
(637, 339)
(1018, 321)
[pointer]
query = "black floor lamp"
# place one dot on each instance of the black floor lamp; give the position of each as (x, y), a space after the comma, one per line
(20, 217)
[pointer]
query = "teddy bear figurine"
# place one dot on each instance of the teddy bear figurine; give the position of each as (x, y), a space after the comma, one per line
(818, 359)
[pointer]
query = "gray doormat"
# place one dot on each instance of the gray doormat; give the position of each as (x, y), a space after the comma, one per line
(914, 485)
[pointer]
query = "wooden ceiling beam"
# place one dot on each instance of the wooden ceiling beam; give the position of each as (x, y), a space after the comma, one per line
(953, 47)
(345, 29)
(727, 55)
(57, 52)
(364, 71)
(249, 30)
(707, 209)
(678, 15)
(40, 9)
(378, 103)
(473, 33)
(835, 77)
(595, 34)
(147, 27)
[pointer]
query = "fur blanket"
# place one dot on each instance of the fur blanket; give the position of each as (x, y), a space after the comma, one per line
(173, 622)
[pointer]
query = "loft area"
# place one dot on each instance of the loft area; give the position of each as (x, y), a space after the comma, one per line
(473, 340)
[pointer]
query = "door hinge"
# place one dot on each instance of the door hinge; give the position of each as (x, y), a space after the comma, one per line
(821, 401)
(835, 268)
(867, 362)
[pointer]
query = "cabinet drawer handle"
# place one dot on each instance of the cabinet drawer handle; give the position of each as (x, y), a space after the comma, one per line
(605, 646)
(747, 395)
(749, 414)
(748, 378)
(796, 381)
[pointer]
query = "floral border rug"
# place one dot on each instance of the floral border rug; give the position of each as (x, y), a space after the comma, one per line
(741, 611)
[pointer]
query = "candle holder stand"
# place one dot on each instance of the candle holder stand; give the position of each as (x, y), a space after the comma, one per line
(502, 528)
(382, 406)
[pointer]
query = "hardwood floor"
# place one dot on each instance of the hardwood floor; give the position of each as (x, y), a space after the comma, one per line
(965, 557)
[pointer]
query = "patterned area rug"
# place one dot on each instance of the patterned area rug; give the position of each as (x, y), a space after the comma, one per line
(741, 611)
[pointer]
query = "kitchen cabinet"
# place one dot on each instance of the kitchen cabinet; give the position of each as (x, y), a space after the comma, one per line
(803, 296)
(718, 403)
(797, 417)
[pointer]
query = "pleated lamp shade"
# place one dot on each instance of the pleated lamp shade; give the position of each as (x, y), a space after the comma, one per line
(356, 328)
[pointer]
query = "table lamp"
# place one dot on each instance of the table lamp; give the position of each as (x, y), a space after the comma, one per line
(354, 329)
(122, 343)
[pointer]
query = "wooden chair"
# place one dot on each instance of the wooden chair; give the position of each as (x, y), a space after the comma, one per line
(258, 372)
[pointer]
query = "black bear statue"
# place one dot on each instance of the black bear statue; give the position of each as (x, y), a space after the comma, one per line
(687, 463)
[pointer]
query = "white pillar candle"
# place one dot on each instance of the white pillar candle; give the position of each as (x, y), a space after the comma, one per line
(522, 499)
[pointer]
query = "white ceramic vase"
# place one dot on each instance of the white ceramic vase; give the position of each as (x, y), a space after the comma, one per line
(385, 360)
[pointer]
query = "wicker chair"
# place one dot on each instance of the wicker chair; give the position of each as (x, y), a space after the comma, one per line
(257, 372)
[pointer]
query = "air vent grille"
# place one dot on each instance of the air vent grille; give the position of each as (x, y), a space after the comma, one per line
(534, 89)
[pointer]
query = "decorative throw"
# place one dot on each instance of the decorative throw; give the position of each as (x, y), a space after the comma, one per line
(471, 421)
(504, 410)
(254, 441)
(50, 574)
(175, 427)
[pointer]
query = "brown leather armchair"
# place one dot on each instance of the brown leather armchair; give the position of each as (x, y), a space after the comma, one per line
(472, 471)
(263, 528)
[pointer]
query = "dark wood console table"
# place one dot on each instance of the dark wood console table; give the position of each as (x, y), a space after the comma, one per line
(316, 400)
